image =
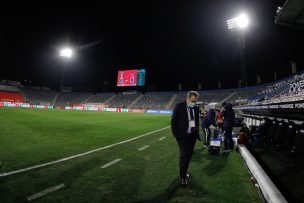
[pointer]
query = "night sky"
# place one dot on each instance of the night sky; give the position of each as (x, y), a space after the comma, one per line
(176, 43)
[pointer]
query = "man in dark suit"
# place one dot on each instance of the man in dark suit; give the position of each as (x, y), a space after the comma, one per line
(185, 128)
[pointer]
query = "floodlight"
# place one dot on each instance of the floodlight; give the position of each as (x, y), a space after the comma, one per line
(240, 22)
(66, 52)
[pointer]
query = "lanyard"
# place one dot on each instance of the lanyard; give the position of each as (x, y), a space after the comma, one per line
(188, 111)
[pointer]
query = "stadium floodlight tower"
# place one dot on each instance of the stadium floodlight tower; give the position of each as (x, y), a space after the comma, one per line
(66, 54)
(239, 24)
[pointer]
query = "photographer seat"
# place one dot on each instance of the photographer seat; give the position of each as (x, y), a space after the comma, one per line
(279, 133)
(270, 132)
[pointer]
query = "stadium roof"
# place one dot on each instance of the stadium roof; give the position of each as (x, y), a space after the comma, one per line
(291, 14)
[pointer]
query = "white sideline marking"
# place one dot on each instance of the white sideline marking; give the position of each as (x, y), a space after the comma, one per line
(161, 138)
(144, 147)
(44, 192)
(78, 155)
(111, 163)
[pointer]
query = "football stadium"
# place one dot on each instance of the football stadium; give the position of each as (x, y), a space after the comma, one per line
(116, 134)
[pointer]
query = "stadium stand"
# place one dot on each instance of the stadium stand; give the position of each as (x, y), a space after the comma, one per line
(99, 98)
(38, 97)
(8, 88)
(10, 94)
(11, 97)
(69, 99)
(288, 89)
(123, 100)
(153, 101)
(205, 97)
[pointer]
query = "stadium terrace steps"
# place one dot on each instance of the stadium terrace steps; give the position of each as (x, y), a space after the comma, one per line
(225, 99)
(135, 101)
(110, 99)
(55, 99)
(170, 103)
(99, 98)
(24, 96)
(87, 99)
(123, 100)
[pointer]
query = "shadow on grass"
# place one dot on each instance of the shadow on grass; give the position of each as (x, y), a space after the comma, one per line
(166, 195)
(215, 163)
(174, 192)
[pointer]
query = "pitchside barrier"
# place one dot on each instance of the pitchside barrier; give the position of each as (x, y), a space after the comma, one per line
(25, 105)
(159, 111)
(153, 111)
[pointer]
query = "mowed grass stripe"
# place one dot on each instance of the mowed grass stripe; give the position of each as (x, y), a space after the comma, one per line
(213, 178)
(35, 136)
(84, 178)
(79, 155)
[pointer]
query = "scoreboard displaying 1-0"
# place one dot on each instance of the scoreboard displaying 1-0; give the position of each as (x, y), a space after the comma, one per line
(135, 77)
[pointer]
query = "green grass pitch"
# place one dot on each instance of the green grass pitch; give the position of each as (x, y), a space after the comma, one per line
(34, 136)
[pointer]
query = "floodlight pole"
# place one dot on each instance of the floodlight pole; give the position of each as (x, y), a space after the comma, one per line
(62, 76)
(238, 24)
(66, 54)
(242, 52)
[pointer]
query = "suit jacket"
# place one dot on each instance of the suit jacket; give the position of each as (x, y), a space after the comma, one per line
(229, 116)
(180, 121)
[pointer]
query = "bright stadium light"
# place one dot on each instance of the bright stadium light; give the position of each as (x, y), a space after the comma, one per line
(66, 52)
(243, 21)
(240, 22)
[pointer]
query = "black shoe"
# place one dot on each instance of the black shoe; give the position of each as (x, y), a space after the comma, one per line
(184, 182)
